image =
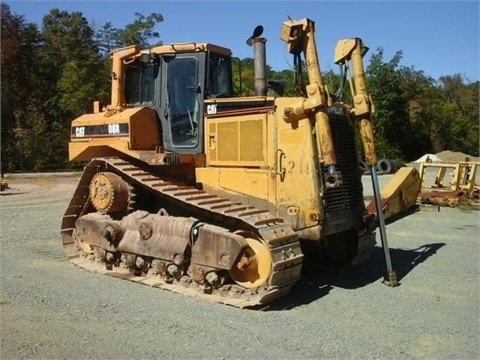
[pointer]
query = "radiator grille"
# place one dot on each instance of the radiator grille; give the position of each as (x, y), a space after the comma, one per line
(350, 195)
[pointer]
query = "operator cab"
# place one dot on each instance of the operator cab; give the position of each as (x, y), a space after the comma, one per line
(175, 80)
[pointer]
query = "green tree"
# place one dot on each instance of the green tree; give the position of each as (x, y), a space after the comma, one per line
(20, 41)
(83, 82)
(52, 75)
(456, 127)
(420, 94)
(68, 36)
(288, 77)
(390, 120)
(77, 72)
(243, 77)
(105, 38)
(141, 32)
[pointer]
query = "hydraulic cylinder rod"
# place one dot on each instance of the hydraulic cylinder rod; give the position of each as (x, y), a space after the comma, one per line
(352, 50)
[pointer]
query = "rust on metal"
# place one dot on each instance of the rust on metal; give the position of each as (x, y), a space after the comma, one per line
(399, 195)
(169, 252)
(460, 188)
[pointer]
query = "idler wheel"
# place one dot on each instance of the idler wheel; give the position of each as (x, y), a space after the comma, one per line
(254, 265)
(108, 192)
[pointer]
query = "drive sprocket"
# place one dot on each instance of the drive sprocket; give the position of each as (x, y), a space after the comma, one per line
(109, 193)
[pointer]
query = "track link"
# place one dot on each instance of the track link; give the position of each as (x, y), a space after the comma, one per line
(282, 241)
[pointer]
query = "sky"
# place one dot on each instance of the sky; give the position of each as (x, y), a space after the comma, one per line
(437, 37)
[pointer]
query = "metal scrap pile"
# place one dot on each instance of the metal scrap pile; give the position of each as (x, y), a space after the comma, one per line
(461, 189)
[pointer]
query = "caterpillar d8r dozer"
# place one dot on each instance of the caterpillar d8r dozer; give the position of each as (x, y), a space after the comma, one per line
(190, 189)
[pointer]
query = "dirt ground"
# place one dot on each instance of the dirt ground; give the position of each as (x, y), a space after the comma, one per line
(52, 310)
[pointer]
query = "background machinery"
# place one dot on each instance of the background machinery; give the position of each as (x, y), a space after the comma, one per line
(191, 189)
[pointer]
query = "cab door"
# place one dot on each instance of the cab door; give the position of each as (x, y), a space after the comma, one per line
(181, 110)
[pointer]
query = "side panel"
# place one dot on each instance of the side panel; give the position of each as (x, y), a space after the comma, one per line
(98, 134)
(248, 182)
(253, 153)
(298, 184)
(237, 141)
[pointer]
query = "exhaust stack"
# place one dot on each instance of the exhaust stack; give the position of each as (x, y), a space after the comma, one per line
(260, 62)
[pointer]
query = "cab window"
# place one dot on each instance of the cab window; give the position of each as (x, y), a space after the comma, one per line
(140, 84)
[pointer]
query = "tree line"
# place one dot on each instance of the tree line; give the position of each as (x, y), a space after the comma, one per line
(51, 74)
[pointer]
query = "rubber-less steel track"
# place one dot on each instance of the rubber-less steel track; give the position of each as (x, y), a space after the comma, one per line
(282, 241)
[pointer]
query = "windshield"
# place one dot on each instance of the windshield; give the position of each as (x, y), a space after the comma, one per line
(183, 90)
(140, 84)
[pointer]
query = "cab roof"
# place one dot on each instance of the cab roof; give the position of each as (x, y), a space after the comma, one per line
(188, 47)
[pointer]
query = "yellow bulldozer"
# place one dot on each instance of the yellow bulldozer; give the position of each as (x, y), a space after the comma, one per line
(192, 189)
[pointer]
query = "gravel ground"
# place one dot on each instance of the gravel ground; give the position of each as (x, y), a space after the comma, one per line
(53, 310)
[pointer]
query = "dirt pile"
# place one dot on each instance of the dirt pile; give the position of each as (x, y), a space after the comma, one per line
(455, 156)
(428, 158)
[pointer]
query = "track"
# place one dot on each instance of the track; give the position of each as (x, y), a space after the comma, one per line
(282, 241)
